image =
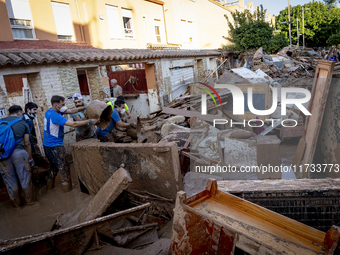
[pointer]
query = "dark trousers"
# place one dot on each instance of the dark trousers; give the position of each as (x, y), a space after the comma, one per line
(56, 157)
(15, 171)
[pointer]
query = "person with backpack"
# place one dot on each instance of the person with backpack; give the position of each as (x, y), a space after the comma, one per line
(16, 156)
(54, 123)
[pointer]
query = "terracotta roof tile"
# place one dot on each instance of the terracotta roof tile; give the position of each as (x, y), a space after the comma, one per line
(16, 53)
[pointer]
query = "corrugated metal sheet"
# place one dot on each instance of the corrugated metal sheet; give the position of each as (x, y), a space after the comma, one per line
(180, 80)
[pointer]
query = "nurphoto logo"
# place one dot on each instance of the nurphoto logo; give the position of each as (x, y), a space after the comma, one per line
(238, 102)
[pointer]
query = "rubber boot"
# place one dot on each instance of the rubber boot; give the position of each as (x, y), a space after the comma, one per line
(67, 186)
(50, 183)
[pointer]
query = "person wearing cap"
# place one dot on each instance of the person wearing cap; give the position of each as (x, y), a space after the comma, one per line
(82, 132)
(116, 90)
(104, 135)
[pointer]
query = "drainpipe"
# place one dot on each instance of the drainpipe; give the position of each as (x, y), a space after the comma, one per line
(82, 33)
(166, 32)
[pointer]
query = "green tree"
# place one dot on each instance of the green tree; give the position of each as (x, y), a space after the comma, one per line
(320, 23)
(250, 31)
(334, 39)
(331, 3)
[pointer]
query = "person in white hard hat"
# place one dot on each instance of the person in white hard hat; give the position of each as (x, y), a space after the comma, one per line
(83, 132)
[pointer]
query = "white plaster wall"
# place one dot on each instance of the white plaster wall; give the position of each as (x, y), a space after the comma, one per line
(153, 100)
(139, 107)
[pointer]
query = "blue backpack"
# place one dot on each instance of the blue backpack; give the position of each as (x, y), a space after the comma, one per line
(7, 141)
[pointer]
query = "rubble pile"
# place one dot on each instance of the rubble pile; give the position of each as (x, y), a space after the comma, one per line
(289, 62)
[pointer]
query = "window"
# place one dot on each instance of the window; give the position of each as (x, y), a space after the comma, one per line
(20, 18)
(63, 21)
(158, 25)
(114, 22)
(14, 85)
(128, 25)
(83, 82)
(187, 29)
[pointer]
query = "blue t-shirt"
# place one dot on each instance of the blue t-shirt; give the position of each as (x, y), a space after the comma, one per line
(114, 118)
(53, 128)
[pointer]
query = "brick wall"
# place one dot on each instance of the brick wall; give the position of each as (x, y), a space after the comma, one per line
(95, 83)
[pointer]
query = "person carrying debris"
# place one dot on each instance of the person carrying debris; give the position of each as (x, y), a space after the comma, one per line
(16, 156)
(28, 116)
(115, 89)
(105, 134)
(83, 132)
(54, 123)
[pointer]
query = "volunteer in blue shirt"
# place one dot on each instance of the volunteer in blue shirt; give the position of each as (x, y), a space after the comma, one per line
(105, 134)
(53, 140)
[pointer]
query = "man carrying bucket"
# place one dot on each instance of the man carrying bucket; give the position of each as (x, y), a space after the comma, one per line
(54, 123)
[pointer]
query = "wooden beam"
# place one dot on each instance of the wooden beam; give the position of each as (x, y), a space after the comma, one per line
(322, 81)
(155, 1)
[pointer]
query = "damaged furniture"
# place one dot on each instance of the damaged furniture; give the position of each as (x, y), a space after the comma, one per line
(153, 167)
(215, 222)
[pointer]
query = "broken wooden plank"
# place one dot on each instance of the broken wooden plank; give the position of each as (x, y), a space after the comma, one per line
(291, 132)
(322, 80)
(71, 240)
(110, 191)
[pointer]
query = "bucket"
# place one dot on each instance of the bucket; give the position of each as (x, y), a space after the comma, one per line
(99, 110)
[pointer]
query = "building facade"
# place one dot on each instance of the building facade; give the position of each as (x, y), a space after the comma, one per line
(38, 74)
(109, 24)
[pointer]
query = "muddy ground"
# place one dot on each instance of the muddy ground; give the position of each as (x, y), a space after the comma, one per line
(41, 216)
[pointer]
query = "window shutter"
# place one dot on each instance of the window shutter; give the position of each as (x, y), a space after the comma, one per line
(114, 22)
(18, 9)
(62, 18)
(127, 13)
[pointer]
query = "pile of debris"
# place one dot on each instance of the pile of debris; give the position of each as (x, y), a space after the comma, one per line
(289, 62)
(120, 218)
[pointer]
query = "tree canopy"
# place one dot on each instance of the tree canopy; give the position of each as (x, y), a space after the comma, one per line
(334, 39)
(250, 31)
(320, 23)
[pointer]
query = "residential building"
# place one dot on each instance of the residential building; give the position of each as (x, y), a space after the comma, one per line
(110, 24)
(37, 70)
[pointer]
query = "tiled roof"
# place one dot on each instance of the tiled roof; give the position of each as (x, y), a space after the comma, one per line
(17, 57)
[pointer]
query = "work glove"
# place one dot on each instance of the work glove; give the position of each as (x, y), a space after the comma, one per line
(134, 125)
(93, 121)
(31, 162)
